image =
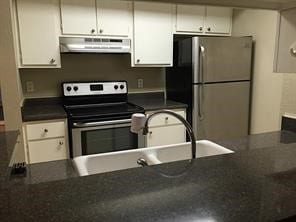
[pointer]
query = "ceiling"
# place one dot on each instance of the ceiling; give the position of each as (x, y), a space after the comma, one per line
(262, 4)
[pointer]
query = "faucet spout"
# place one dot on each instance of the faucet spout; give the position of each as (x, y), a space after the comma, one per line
(142, 162)
(180, 118)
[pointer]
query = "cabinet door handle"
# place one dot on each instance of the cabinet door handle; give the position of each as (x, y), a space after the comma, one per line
(61, 143)
(45, 130)
(200, 28)
(138, 60)
(209, 29)
(101, 30)
(293, 51)
(52, 61)
(167, 118)
(93, 31)
(150, 132)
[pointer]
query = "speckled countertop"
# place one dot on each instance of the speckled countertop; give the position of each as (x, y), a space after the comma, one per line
(256, 183)
(51, 108)
(154, 101)
(43, 109)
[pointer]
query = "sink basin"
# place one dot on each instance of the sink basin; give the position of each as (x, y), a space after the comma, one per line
(106, 162)
(177, 152)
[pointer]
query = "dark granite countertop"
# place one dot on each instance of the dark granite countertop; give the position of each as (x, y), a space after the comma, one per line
(256, 183)
(37, 109)
(43, 109)
(154, 101)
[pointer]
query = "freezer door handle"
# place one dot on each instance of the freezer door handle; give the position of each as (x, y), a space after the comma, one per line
(201, 88)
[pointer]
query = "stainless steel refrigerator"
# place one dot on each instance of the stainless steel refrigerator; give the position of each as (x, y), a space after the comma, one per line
(213, 76)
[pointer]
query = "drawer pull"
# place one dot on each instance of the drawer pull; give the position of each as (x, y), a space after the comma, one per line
(45, 130)
(167, 118)
(61, 143)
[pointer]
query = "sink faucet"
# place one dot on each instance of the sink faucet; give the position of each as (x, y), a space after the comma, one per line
(140, 122)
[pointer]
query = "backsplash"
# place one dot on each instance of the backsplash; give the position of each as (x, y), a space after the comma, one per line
(90, 67)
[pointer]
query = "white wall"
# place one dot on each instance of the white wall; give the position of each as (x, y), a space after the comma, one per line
(267, 86)
(10, 84)
(90, 67)
(289, 94)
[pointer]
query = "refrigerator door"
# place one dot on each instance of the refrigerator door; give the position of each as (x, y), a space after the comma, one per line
(221, 59)
(221, 110)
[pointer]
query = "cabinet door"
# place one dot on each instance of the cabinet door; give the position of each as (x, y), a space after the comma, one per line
(47, 150)
(153, 36)
(190, 18)
(285, 61)
(114, 17)
(166, 135)
(218, 20)
(79, 17)
(38, 33)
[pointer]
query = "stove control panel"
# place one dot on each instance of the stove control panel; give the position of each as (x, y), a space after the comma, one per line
(94, 88)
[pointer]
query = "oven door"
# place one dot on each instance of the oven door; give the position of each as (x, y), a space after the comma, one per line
(102, 137)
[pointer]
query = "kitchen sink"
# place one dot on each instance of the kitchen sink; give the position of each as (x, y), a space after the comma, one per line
(106, 162)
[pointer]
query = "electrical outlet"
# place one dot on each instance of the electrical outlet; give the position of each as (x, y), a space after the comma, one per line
(140, 83)
(30, 86)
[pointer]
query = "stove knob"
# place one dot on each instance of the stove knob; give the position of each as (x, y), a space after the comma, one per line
(116, 87)
(121, 86)
(75, 88)
(69, 88)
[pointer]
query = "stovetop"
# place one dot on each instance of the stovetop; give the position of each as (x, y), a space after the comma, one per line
(99, 111)
(95, 101)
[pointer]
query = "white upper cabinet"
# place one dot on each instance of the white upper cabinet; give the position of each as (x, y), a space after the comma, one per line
(38, 33)
(79, 17)
(190, 18)
(153, 34)
(114, 18)
(285, 57)
(218, 20)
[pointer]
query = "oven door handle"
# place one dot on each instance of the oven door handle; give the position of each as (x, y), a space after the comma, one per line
(102, 123)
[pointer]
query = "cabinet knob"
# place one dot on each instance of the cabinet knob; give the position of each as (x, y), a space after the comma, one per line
(52, 61)
(167, 118)
(93, 31)
(61, 143)
(45, 130)
(101, 30)
(209, 29)
(138, 60)
(150, 132)
(200, 28)
(293, 51)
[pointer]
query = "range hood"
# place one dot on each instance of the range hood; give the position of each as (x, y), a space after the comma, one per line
(94, 45)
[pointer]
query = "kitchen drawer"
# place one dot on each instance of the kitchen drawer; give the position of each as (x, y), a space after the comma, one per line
(166, 135)
(47, 150)
(45, 130)
(165, 119)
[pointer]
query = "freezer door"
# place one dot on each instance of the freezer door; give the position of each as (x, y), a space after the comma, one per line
(221, 111)
(221, 59)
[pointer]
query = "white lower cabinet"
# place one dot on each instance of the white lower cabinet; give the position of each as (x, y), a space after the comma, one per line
(46, 141)
(166, 135)
(47, 150)
(165, 130)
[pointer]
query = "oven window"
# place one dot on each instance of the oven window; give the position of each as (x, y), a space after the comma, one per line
(108, 140)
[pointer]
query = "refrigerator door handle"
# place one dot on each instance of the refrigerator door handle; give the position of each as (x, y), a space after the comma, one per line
(201, 88)
(201, 62)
